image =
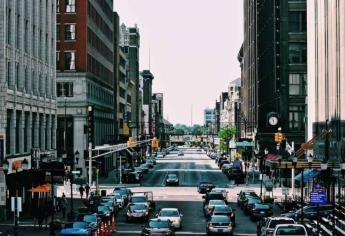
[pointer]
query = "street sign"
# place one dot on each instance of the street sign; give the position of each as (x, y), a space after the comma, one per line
(245, 144)
(76, 172)
(317, 186)
(318, 198)
(232, 144)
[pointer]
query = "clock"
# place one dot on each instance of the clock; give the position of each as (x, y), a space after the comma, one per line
(273, 120)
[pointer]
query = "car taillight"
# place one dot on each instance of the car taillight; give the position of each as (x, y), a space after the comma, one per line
(232, 214)
(209, 224)
(231, 224)
(210, 207)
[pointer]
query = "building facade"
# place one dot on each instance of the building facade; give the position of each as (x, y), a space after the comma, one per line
(85, 76)
(274, 74)
(326, 88)
(27, 91)
(147, 102)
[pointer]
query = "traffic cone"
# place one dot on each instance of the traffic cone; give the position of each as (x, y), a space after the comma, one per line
(113, 224)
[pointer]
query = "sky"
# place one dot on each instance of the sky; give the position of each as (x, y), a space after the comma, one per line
(190, 46)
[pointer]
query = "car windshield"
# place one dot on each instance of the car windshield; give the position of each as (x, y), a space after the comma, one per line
(253, 200)
(102, 208)
(159, 224)
(90, 218)
(79, 225)
(121, 191)
(216, 202)
(137, 207)
(172, 176)
(290, 230)
(222, 209)
(262, 206)
(138, 199)
(273, 223)
(220, 219)
(167, 213)
(206, 185)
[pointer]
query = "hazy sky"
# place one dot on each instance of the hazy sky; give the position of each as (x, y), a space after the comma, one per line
(194, 46)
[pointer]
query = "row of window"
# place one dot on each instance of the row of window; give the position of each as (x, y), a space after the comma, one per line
(106, 30)
(100, 94)
(69, 60)
(64, 89)
(98, 44)
(99, 69)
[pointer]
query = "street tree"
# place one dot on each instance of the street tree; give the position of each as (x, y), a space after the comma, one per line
(226, 134)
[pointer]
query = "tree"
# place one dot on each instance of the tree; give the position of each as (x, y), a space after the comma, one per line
(225, 135)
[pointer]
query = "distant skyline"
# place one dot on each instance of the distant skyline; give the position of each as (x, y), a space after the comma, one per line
(193, 46)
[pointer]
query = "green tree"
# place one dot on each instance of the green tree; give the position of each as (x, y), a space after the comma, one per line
(225, 135)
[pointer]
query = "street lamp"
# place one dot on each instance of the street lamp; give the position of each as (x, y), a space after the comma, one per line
(24, 166)
(74, 160)
(263, 168)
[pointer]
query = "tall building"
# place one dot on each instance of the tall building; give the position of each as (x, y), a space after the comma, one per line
(209, 120)
(27, 91)
(130, 41)
(274, 66)
(147, 101)
(157, 115)
(85, 76)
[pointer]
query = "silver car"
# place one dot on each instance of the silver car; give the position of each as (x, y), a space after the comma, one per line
(219, 224)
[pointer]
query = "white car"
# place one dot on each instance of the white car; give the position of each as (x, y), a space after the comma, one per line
(272, 222)
(119, 199)
(290, 230)
(171, 214)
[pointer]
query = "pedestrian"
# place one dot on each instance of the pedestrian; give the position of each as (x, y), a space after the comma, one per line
(87, 190)
(81, 190)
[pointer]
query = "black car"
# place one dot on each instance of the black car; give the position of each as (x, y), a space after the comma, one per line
(214, 196)
(310, 212)
(260, 210)
(158, 227)
(235, 174)
(205, 187)
(137, 212)
(242, 196)
(172, 179)
(249, 203)
(130, 177)
(224, 210)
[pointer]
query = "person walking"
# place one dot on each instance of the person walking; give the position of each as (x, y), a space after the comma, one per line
(87, 190)
(63, 203)
(81, 190)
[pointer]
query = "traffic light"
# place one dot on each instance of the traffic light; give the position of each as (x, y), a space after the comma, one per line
(278, 137)
(155, 143)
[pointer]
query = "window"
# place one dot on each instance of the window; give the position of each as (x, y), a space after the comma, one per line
(297, 84)
(69, 60)
(17, 32)
(297, 21)
(70, 5)
(57, 60)
(26, 41)
(297, 53)
(70, 32)
(17, 76)
(296, 118)
(57, 6)
(8, 73)
(9, 21)
(64, 89)
(57, 32)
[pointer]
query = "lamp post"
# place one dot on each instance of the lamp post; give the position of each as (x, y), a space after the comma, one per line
(262, 170)
(24, 166)
(74, 160)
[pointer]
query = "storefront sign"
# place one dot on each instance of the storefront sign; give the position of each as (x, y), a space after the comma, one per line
(318, 198)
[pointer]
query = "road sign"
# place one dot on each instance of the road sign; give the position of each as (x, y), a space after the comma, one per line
(318, 198)
(76, 172)
(317, 186)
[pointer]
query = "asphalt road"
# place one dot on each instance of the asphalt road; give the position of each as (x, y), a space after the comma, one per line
(191, 169)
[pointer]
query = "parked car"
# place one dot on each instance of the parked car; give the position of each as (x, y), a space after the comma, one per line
(310, 212)
(180, 153)
(171, 214)
(158, 227)
(208, 207)
(103, 211)
(205, 187)
(172, 179)
(214, 196)
(76, 228)
(261, 210)
(223, 191)
(219, 224)
(137, 211)
(242, 196)
(224, 210)
(290, 229)
(270, 223)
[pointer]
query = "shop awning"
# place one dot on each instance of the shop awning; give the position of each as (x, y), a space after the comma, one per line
(308, 174)
(44, 188)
